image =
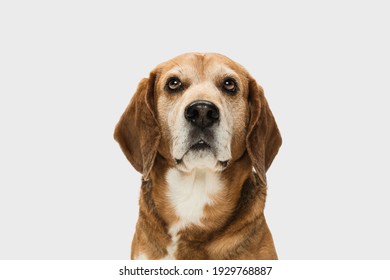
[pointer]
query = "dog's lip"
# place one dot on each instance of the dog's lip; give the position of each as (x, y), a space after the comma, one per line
(200, 145)
(223, 163)
(197, 146)
(203, 145)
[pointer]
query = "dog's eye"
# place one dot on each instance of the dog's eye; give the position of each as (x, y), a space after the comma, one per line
(174, 84)
(230, 85)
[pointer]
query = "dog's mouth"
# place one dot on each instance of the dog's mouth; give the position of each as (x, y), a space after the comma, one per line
(200, 145)
(203, 148)
(197, 146)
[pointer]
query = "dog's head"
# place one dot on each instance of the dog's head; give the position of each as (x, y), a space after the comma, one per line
(198, 111)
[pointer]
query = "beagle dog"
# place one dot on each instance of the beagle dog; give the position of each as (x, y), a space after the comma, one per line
(201, 133)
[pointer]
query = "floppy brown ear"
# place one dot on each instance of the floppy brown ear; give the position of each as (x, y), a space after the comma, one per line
(263, 139)
(137, 131)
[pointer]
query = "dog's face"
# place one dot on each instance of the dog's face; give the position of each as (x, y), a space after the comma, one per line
(203, 110)
(198, 111)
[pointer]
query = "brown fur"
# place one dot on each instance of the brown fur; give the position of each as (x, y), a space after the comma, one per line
(234, 225)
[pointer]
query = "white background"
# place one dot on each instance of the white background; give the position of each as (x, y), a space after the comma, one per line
(69, 68)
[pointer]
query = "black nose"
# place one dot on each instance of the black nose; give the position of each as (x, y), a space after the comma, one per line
(202, 113)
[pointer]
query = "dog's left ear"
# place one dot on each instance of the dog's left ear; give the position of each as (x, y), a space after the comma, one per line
(138, 132)
(263, 139)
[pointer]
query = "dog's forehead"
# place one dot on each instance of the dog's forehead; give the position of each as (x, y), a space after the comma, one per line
(200, 66)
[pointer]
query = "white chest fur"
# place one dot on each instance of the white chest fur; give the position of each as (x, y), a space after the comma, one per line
(189, 193)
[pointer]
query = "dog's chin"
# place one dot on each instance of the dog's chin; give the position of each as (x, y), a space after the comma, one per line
(200, 159)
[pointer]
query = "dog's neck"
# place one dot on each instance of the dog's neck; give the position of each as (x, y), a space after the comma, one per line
(199, 207)
(189, 193)
(201, 198)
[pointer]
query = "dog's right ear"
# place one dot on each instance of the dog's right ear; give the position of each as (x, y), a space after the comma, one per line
(138, 132)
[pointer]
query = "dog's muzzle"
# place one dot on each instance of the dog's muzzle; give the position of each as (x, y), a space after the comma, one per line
(201, 148)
